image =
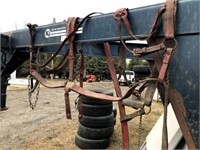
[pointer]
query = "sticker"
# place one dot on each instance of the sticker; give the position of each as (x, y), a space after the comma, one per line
(53, 33)
(59, 32)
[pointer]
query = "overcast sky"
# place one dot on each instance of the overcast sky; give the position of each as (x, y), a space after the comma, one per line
(16, 13)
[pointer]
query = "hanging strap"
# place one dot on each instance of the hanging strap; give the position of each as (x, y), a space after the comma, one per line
(169, 19)
(124, 125)
(165, 63)
(67, 104)
(169, 22)
(121, 15)
(69, 29)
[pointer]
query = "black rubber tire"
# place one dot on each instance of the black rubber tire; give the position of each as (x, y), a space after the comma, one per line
(95, 133)
(97, 110)
(141, 69)
(94, 101)
(84, 143)
(97, 122)
(141, 72)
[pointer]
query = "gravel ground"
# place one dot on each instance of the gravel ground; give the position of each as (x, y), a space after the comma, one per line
(46, 127)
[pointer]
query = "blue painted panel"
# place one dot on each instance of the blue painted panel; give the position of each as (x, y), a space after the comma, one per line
(184, 77)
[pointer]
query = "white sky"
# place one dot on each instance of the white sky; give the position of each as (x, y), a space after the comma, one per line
(20, 12)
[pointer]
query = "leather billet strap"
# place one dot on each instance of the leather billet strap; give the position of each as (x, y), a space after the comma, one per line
(165, 63)
(67, 105)
(85, 92)
(124, 125)
(133, 115)
(169, 22)
(44, 82)
(169, 18)
(147, 50)
(154, 26)
(69, 29)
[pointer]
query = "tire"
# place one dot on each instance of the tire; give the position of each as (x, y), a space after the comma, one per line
(141, 72)
(84, 143)
(141, 76)
(141, 69)
(97, 110)
(97, 122)
(94, 101)
(95, 133)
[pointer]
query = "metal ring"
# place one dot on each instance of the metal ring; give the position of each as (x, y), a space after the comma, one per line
(170, 43)
(148, 111)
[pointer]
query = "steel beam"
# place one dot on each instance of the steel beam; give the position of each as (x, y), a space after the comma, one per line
(103, 27)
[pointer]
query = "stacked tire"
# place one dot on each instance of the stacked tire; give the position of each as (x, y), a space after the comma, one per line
(96, 124)
(141, 72)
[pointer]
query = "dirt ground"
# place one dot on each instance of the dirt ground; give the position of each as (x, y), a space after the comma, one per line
(46, 127)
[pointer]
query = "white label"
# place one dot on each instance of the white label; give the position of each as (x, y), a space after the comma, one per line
(59, 32)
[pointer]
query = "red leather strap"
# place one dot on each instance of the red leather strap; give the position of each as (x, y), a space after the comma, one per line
(67, 105)
(70, 28)
(150, 49)
(169, 18)
(163, 69)
(44, 82)
(124, 124)
(121, 15)
(154, 26)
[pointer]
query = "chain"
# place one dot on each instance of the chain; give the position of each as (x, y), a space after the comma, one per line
(32, 104)
(140, 130)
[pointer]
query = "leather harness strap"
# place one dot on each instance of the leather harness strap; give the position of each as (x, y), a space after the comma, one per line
(169, 18)
(154, 26)
(162, 64)
(165, 63)
(124, 125)
(69, 29)
(147, 50)
(121, 15)
(85, 92)
(174, 97)
(70, 26)
(44, 82)
(67, 104)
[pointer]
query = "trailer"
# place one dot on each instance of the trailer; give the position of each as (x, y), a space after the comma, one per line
(171, 32)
